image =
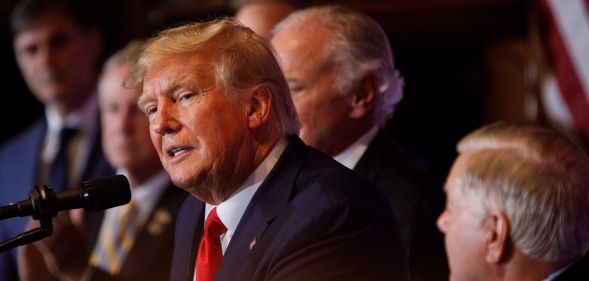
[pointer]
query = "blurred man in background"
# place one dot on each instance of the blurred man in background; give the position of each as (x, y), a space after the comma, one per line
(345, 87)
(262, 15)
(146, 253)
(58, 48)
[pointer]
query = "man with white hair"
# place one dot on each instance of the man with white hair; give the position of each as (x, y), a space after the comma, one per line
(517, 206)
(339, 66)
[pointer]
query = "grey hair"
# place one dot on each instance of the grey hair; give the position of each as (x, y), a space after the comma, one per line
(243, 60)
(538, 178)
(359, 46)
(124, 56)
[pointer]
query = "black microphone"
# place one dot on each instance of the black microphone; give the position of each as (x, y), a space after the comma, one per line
(94, 195)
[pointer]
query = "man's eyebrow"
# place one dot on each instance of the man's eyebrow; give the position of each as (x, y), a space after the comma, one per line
(143, 99)
(169, 91)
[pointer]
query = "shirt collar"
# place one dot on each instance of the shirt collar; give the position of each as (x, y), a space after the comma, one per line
(557, 273)
(231, 210)
(82, 119)
(351, 155)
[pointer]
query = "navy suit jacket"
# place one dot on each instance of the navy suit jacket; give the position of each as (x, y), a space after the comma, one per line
(19, 158)
(579, 271)
(311, 219)
(150, 257)
(417, 202)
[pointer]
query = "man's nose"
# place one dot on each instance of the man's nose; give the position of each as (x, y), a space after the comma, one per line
(164, 120)
(442, 222)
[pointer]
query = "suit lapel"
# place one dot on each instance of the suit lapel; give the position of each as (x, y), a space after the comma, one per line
(22, 161)
(270, 200)
(187, 238)
(252, 225)
(32, 155)
(155, 239)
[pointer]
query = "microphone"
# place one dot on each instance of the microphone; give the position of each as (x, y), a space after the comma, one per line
(94, 195)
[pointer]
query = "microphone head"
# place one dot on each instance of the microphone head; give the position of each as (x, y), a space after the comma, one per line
(104, 193)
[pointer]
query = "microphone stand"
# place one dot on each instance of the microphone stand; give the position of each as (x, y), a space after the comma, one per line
(42, 198)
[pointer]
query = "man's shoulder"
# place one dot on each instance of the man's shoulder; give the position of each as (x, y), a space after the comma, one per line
(325, 183)
(18, 158)
(30, 136)
(389, 152)
(577, 272)
(330, 209)
(397, 170)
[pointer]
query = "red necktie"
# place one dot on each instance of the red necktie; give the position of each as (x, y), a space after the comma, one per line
(210, 252)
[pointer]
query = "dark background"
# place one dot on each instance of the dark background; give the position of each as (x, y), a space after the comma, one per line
(440, 48)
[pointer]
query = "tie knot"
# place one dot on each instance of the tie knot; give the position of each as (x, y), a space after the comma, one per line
(66, 134)
(129, 210)
(214, 227)
(59, 170)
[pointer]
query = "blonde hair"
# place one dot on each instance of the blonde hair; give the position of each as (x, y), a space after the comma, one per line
(242, 60)
(538, 178)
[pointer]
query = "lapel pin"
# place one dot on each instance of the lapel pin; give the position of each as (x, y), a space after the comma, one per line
(159, 221)
(252, 244)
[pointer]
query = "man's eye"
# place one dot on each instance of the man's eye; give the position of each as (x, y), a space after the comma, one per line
(30, 49)
(150, 110)
(296, 89)
(185, 97)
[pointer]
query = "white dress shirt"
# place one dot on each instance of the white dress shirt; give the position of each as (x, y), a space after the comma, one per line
(351, 155)
(83, 119)
(231, 210)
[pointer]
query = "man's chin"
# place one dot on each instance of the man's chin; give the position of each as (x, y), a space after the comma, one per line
(51, 96)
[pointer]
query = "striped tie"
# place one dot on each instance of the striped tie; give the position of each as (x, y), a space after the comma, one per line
(116, 240)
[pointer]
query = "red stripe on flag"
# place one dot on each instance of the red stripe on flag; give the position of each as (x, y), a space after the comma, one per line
(564, 71)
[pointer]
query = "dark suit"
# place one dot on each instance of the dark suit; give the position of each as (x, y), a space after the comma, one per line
(311, 219)
(150, 257)
(579, 271)
(415, 200)
(19, 160)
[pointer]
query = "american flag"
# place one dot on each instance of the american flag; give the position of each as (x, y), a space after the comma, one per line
(565, 90)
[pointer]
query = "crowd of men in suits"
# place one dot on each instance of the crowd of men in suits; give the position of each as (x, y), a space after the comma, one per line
(271, 161)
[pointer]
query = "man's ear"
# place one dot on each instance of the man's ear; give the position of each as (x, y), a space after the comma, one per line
(363, 97)
(259, 106)
(497, 240)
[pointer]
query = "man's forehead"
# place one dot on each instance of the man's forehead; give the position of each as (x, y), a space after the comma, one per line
(179, 65)
(167, 80)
